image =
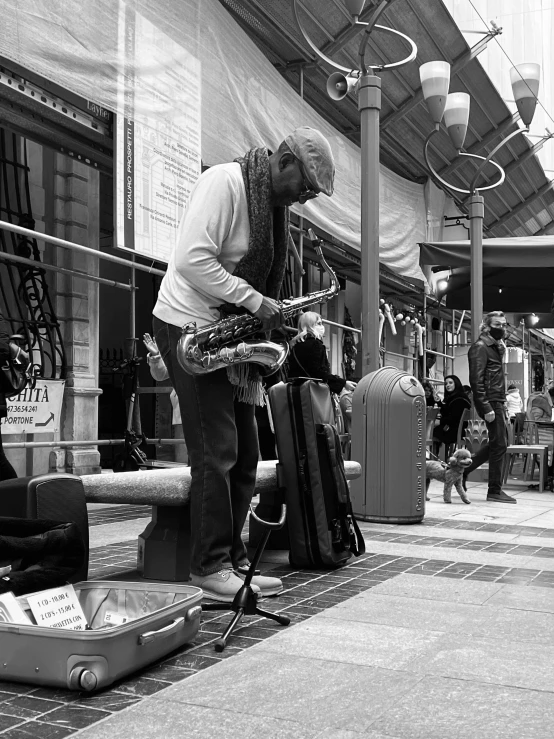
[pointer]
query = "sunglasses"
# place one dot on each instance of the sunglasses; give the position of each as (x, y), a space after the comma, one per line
(307, 193)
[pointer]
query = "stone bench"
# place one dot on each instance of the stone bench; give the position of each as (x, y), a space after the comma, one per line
(164, 546)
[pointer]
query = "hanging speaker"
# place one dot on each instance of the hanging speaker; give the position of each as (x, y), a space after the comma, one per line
(57, 497)
(339, 85)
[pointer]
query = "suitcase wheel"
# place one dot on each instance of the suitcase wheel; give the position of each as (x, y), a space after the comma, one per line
(81, 678)
(87, 672)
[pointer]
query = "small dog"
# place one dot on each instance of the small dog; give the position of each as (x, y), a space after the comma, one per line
(450, 475)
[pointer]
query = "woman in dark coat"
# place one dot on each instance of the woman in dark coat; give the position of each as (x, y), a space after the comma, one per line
(452, 407)
(308, 355)
(7, 472)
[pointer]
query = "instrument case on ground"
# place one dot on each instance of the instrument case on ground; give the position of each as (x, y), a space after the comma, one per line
(322, 530)
(164, 617)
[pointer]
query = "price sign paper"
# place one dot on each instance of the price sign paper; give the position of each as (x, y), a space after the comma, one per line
(58, 608)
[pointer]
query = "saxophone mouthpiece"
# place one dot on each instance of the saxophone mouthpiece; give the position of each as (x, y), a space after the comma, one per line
(313, 237)
(316, 242)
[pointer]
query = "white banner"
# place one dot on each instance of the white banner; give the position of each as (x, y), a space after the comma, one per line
(36, 410)
(158, 137)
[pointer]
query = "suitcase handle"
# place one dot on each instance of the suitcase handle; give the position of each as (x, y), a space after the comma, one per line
(149, 636)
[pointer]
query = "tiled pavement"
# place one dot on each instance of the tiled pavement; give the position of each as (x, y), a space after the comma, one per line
(387, 646)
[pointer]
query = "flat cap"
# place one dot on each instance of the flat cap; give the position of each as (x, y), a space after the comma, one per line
(313, 150)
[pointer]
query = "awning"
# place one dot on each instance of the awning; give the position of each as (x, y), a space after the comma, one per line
(518, 274)
(524, 251)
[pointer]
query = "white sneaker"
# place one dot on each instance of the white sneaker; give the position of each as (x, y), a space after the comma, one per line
(222, 585)
(268, 585)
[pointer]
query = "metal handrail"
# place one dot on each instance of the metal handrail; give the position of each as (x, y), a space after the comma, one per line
(94, 442)
(440, 354)
(342, 325)
(78, 247)
(396, 354)
(73, 273)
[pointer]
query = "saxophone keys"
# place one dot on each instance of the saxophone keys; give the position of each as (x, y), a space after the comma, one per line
(243, 350)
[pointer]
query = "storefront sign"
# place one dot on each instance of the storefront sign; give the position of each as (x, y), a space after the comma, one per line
(36, 410)
(157, 138)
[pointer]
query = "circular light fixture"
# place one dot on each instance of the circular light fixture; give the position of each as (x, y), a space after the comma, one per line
(442, 285)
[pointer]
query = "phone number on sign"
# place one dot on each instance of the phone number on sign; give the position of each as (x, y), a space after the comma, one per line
(22, 408)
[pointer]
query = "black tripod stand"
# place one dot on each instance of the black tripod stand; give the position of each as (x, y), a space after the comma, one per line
(246, 600)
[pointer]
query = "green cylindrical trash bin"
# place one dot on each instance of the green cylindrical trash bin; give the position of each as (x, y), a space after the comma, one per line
(388, 439)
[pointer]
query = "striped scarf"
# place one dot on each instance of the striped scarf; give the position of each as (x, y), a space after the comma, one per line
(263, 265)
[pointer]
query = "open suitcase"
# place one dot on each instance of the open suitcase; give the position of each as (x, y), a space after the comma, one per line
(164, 617)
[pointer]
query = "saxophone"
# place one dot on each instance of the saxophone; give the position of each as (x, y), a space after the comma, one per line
(223, 343)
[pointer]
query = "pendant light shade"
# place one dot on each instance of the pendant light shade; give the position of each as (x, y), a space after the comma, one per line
(456, 117)
(525, 80)
(435, 80)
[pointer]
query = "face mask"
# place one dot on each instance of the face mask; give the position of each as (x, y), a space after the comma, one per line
(498, 333)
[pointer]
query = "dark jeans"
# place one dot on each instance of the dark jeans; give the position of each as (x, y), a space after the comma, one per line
(222, 443)
(495, 450)
(7, 472)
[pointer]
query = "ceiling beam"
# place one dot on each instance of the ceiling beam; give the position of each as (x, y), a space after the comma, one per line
(268, 23)
(518, 208)
(546, 230)
(346, 34)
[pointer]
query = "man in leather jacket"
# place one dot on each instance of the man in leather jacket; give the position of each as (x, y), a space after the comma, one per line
(486, 377)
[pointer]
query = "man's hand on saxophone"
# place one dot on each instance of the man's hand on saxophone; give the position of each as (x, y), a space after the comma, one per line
(270, 314)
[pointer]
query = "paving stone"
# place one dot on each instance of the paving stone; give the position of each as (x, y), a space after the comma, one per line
(359, 643)
(501, 661)
(534, 599)
(442, 708)
(434, 588)
(75, 717)
(406, 612)
(37, 730)
(284, 686)
(173, 720)
(509, 623)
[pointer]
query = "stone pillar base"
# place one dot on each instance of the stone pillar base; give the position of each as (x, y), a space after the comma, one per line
(164, 545)
(82, 461)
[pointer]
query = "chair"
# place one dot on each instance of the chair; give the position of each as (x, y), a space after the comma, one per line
(530, 449)
(519, 425)
(431, 417)
(473, 433)
(460, 440)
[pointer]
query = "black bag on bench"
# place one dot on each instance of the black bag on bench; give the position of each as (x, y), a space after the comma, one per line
(322, 530)
(41, 554)
(55, 497)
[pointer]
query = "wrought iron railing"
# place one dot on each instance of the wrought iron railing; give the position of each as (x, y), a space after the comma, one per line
(25, 300)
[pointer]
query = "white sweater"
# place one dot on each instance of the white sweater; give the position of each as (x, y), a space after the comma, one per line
(514, 402)
(213, 237)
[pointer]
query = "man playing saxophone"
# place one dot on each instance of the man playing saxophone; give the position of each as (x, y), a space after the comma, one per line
(231, 248)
